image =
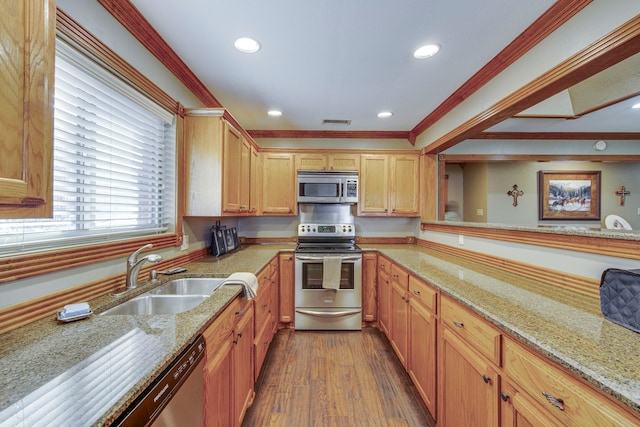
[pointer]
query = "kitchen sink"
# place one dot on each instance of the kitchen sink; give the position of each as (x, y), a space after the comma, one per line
(151, 304)
(189, 286)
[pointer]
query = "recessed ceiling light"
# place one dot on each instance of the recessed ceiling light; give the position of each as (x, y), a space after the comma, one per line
(385, 114)
(636, 105)
(247, 45)
(426, 51)
(274, 113)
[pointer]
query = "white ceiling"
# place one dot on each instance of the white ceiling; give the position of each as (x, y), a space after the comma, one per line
(337, 59)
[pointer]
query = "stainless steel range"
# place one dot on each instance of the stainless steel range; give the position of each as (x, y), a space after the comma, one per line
(328, 270)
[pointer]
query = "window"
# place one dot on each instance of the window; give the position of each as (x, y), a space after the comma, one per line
(114, 162)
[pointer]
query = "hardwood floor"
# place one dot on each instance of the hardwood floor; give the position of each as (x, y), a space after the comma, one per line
(345, 378)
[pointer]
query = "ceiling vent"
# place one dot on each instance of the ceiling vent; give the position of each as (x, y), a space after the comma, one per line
(336, 122)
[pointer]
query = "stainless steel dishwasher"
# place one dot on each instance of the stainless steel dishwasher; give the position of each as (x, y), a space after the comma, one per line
(175, 398)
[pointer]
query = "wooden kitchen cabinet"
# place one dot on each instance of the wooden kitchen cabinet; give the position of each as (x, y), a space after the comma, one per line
(255, 183)
(422, 357)
(327, 161)
(279, 175)
(389, 185)
(27, 34)
(287, 283)
(384, 292)
(243, 365)
(399, 333)
(369, 288)
(232, 168)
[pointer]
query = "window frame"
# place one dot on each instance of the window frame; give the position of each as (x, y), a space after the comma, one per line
(14, 267)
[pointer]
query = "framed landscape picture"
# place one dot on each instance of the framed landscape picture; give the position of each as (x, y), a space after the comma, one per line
(569, 195)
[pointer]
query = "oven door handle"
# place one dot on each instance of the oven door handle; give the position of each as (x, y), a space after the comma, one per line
(328, 313)
(319, 258)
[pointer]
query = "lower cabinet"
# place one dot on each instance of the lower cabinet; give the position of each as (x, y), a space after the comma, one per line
(286, 288)
(422, 365)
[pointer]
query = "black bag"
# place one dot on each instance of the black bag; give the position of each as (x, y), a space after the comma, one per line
(620, 297)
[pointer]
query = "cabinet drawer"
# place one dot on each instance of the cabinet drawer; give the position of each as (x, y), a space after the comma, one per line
(384, 265)
(422, 292)
(400, 276)
(564, 397)
(218, 331)
(262, 305)
(473, 329)
(261, 345)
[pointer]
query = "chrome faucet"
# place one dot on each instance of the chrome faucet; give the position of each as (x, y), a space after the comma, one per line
(134, 264)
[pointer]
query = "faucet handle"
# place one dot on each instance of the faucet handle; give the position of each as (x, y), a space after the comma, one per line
(134, 256)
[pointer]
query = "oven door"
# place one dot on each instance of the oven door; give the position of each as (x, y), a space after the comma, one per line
(309, 292)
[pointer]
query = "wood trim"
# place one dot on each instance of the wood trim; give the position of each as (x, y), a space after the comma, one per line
(30, 311)
(468, 158)
(621, 43)
(573, 283)
(131, 18)
(79, 35)
(552, 19)
(330, 134)
(29, 265)
(595, 245)
(407, 240)
(612, 136)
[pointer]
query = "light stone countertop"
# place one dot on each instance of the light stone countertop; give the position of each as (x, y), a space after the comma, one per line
(89, 371)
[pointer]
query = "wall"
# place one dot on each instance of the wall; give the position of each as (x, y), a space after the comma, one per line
(475, 190)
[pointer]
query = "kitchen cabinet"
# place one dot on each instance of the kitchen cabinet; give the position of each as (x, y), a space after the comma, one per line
(279, 196)
(218, 162)
(287, 283)
(422, 360)
(369, 288)
(255, 184)
(326, 161)
(27, 34)
(228, 369)
(399, 335)
(539, 390)
(384, 291)
(389, 185)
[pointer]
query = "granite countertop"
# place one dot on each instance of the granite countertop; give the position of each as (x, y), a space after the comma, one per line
(568, 328)
(89, 371)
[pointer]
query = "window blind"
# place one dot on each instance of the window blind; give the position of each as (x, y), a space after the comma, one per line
(114, 162)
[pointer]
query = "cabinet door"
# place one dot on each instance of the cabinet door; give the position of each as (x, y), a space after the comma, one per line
(311, 161)
(469, 385)
(344, 162)
(399, 321)
(374, 184)
(232, 168)
(517, 410)
(255, 185)
(384, 301)
(286, 288)
(218, 387)
(279, 196)
(27, 38)
(404, 191)
(245, 175)
(422, 353)
(243, 366)
(369, 294)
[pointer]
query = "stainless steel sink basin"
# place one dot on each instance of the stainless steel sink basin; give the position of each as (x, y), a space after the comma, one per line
(189, 286)
(150, 304)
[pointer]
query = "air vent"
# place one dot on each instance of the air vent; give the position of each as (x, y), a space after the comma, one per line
(336, 122)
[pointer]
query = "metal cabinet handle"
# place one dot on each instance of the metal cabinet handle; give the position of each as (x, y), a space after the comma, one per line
(504, 396)
(555, 401)
(239, 313)
(416, 292)
(486, 378)
(458, 324)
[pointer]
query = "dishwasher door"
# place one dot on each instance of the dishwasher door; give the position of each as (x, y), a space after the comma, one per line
(176, 397)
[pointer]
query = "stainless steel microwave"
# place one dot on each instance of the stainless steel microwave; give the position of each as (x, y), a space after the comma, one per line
(327, 186)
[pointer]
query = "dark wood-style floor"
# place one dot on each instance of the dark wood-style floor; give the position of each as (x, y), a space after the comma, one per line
(340, 378)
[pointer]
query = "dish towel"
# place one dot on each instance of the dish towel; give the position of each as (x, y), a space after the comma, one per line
(247, 280)
(331, 272)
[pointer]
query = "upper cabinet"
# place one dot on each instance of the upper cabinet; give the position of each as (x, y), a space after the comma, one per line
(219, 166)
(325, 161)
(389, 185)
(279, 175)
(26, 106)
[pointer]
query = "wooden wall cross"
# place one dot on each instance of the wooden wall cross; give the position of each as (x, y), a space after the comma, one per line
(515, 193)
(621, 193)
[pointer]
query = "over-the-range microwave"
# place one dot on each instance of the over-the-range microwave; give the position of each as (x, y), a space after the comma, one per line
(327, 186)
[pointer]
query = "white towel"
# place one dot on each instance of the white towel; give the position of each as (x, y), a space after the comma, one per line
(248, 280)
(331, 272)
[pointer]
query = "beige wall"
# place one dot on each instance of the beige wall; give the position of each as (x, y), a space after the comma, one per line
(475, 192)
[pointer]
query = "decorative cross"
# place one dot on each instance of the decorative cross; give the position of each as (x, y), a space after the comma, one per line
(515, 193)
(621, 193)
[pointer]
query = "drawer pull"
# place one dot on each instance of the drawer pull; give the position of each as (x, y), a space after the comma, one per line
(459, 324)
(239, 313)
(504, 396)
(555, 401)
(486, 378)
(416, 292)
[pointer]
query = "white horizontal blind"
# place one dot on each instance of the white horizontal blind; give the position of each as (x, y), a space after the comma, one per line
(114, 161)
